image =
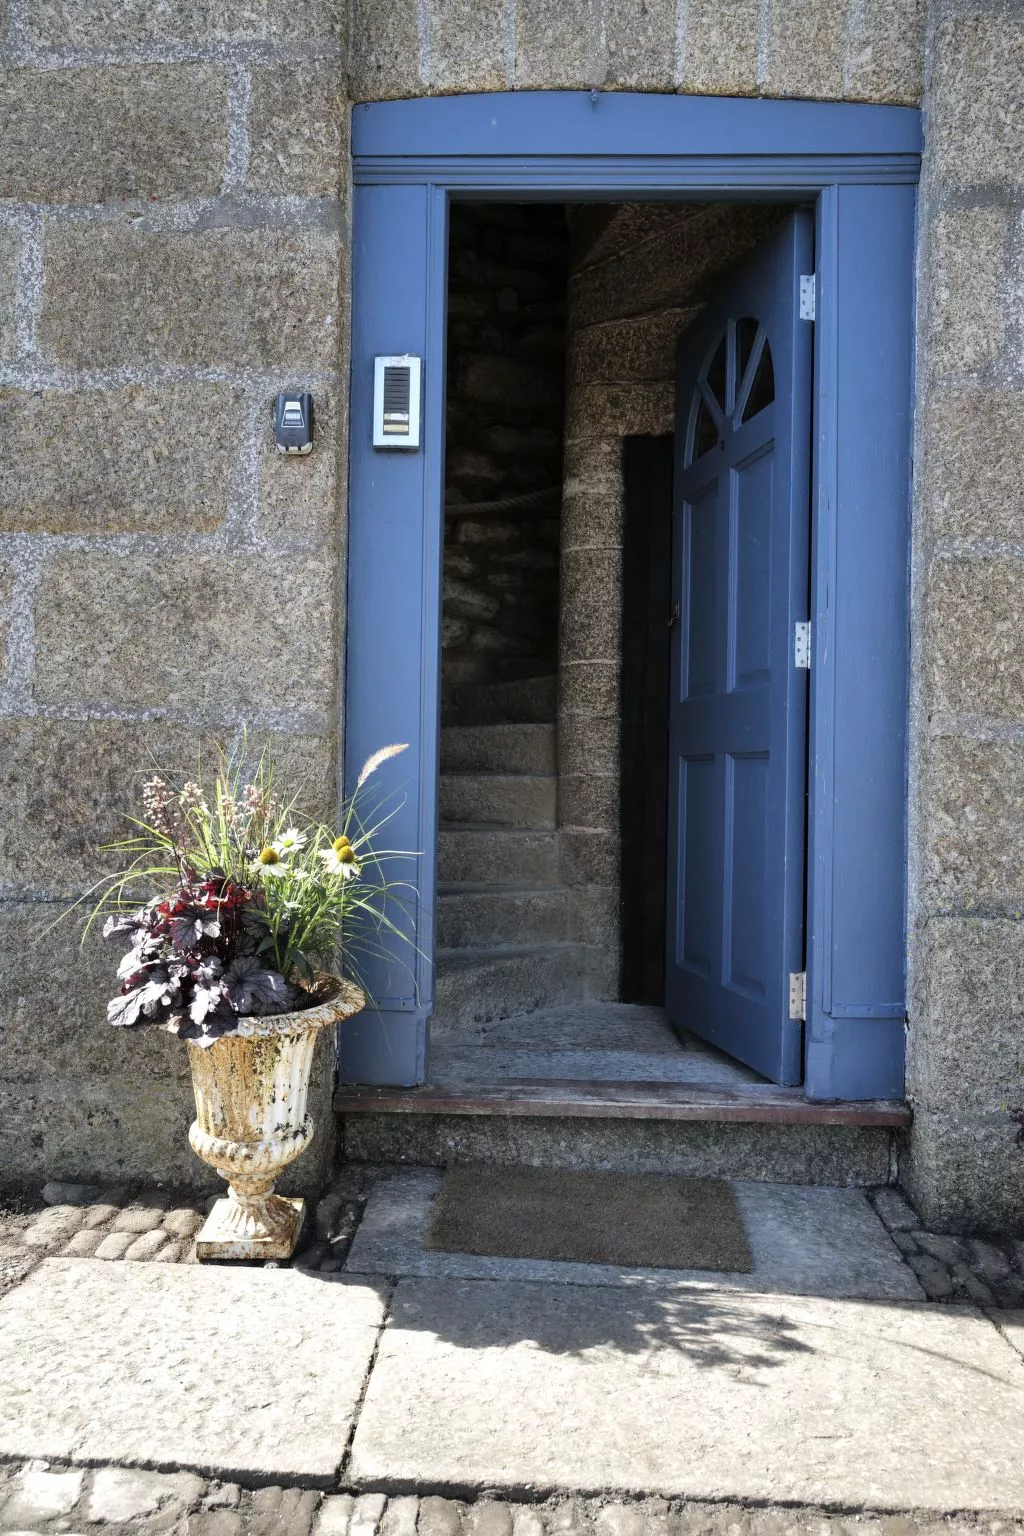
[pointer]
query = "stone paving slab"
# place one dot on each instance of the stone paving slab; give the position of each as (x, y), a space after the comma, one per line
(236, 1372)
(700, 1395)
(805, 1241)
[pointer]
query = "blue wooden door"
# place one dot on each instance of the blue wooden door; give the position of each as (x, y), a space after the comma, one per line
(738, 711)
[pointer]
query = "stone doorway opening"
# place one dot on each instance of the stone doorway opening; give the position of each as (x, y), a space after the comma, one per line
(560, 401)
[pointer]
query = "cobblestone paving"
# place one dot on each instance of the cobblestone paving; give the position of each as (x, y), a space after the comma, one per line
(158, 1226)
(42, 1497)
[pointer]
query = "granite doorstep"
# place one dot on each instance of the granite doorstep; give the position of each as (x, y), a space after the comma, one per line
(502, 1385)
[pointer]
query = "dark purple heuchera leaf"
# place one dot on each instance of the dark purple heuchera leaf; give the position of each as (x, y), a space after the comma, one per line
(149, 1003)
(191, 925)
(252, 988)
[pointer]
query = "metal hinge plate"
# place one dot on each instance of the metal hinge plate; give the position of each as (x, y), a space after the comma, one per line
(802, 644)
(798, 994)
(807, 299)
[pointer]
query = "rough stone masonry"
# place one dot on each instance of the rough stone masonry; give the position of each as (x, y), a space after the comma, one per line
(178, 251)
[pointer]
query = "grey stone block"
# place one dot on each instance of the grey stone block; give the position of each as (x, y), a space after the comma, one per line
(973, 633)
(590, 800)
(475, 986)
(559, 45)
(37, 1495)
(588, 745)
(967, 315)
(384, 58)
(334, 1514)
(75, 24)
(154, 1389)
(972, 851)
(496, 856)
(298, 129)
(933, 1275)
(948, 1250)
(400, 1517)
(967, 1037)
(120, 1494)
(260, 631)
(989, 1261)
(479, 917)
(53, 1228)
(154, 131)
(720, 48)
(589, 857)
(885, 52)
(973, 464)
(592, 467)
(10, 259)
(499, 799)
(640, 40)
(963, 1172)
(146, 1246)
(83, 1245)
(591, 618)
(469, 45)
(977, 108)
(806, 49)
(114, 1246)
(138, 1219)
(619, 410)
(498, 749)
(439, 1517)
(589, 521)
(118, 460)
(118, 294)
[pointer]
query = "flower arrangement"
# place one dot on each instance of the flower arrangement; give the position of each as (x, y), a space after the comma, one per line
(246, 903)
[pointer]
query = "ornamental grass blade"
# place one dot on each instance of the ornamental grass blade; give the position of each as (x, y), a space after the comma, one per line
(374, 762)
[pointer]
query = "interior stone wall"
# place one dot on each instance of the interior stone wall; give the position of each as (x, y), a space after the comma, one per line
(639, 274)
(507, 267)
(966, 1057)
(173, 251)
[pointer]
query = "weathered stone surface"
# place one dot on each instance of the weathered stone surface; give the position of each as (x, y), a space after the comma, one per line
(154, 131)
(281, 1512)
(559, 45)
(384, 59)
(720, 48)
(298, 129)
(589, 857)
(592, 468)
(113, 460)
(973, 636)
(439, 1517)
(53, 1228)
(885, 52)
(955, 1167)
(86, 23)
(933, 1276)
(468, 45)
(83, 1245)
(120, 1494)
(114, 1246)
(488, 1518)
(589, 800)
(259, 632)
(948, 1250)
(163, 1388)
(366, 1514)
(967, 311)
(118, 294)
(10, 257)
(6, 598)
(588, 745)
(138, 1219)
(58, 1193)
(458, 1353)
(894, 1210)
(967, 1038)
(401, 1516)
(589, 688)
(591, 618)
(39, 1495)
(973, 854)
(978, 99)
(620, 410)
(973, 464)
(299, 495)
(146, 1246)
(806, 49)
(971, 1285)
(182, 1222)
(988, 1261)
(640, 44)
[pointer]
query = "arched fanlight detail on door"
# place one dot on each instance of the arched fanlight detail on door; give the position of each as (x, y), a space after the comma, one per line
(736, 382)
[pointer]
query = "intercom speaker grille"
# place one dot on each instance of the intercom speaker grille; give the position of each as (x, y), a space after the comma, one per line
(397, 390)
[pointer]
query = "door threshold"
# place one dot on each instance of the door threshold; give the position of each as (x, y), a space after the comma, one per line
(763, 1103)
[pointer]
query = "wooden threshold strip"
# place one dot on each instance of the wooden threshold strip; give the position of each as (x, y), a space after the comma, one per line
(758, 1103)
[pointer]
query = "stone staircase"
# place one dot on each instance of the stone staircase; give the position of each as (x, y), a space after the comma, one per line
(503, 937)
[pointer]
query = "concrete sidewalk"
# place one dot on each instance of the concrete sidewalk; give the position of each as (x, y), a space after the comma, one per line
(848, 1396)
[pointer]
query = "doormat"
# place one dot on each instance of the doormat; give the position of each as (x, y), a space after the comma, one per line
(639, 1220)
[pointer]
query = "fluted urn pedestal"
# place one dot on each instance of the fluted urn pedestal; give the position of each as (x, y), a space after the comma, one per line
(251, 1122)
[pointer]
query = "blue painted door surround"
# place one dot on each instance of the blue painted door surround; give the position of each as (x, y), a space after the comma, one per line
(738, 711)
(859, 165)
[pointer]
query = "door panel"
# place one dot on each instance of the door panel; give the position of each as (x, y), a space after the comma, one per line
(739, 706)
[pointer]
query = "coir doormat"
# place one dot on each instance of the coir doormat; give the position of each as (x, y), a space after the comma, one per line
(653, 1221)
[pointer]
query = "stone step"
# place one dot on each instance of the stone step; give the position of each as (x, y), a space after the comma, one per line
(499, 799)
(610, 1138)
(474, 986)
(498, 749)
(475, 916)
(497, 856)
(526, 701)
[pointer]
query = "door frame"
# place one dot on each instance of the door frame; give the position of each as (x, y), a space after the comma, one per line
(860, 165)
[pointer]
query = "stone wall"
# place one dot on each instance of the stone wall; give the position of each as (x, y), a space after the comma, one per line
(505, 381)
(173, 251)
(640, 273)
(850, 50)
(966, 1063)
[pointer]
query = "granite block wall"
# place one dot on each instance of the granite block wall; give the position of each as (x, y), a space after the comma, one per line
(966, 1033)
(173, 251)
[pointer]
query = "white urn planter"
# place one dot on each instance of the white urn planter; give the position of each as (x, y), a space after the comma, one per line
(251, 1122)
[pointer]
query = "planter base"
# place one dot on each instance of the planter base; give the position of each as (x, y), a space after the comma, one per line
(264, 1228)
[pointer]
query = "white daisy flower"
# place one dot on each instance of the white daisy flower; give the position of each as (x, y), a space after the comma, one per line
(289, 842)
